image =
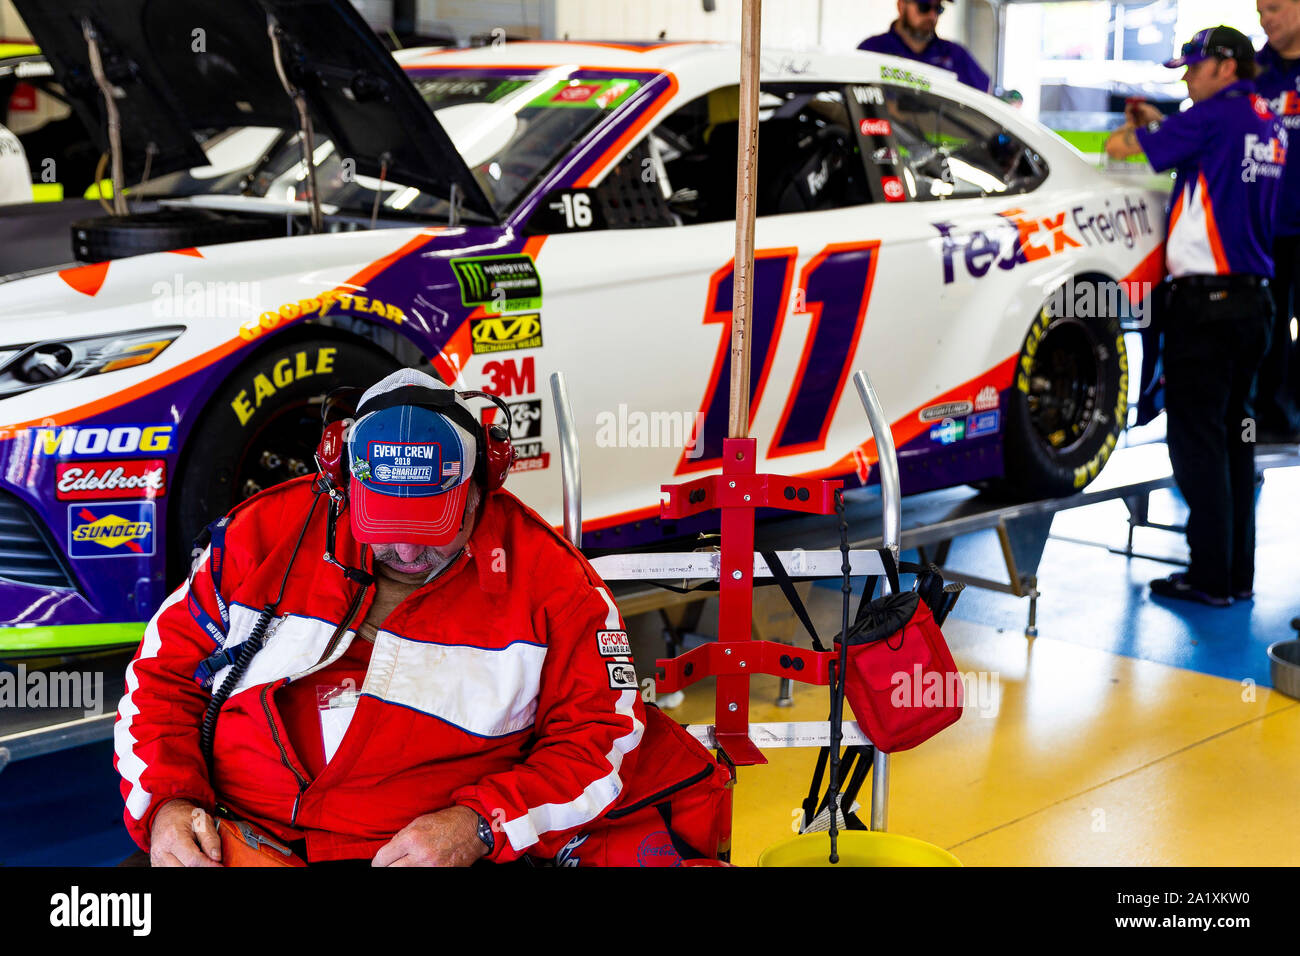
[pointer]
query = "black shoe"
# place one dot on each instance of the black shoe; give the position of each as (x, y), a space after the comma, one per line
(1176, 586)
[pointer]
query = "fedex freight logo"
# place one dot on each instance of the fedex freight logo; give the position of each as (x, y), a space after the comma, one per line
(107, 531)
(101, 480)
(75, 441)
(407, 464)
(1020, 239)
(1263, 157)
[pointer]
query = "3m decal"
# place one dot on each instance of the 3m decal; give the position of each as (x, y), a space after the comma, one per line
(987, 398)
(588, 94)
(75, 441)
(525, 420)
(505, 333)
(303, 364)
(327, 303)
(946, 410)
(875, 127)
(511, 377)
(893, 188)
(613, 644)
(622, 676)
(982, 423)
(948, 431)
(107, 531)
(507, 283)
(834, 289)
(107, 480)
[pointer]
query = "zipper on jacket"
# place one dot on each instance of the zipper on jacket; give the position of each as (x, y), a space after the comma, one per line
(303, 782)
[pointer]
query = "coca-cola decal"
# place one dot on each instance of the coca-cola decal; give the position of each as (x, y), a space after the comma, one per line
(108, 480)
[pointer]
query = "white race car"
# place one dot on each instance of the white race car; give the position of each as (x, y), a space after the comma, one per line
(501, 213)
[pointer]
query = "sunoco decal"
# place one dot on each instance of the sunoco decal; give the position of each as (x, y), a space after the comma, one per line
(499, 283)
(111, 531)
(106, 480)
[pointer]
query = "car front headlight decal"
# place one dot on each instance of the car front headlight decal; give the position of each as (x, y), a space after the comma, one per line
(29, 366)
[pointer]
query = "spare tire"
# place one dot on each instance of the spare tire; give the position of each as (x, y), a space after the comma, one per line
(117, 237)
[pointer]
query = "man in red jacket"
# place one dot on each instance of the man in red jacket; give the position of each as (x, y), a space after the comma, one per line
(450, 682)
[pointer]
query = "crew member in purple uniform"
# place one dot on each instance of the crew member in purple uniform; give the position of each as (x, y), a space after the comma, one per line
(1228, 152)
(912, 36)
(1277, 405)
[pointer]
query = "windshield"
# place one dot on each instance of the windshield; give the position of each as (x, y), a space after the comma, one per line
(510, 127)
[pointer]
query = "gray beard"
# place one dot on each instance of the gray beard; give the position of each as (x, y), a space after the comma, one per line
(919, 36)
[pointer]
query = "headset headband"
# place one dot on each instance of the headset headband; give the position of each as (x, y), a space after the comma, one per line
(442, 401)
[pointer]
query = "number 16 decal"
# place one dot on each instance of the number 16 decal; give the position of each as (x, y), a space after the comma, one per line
(834, 288)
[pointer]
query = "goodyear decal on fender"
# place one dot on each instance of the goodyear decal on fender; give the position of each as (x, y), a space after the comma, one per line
(508, 283)
(505, 333)
(76, 441)
(327, 303)
(110, 531)
(286, 371)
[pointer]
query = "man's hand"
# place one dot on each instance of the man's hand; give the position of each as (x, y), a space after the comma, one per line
(184, 835)
(1141, 113)
(446, 838)
(1123, 143)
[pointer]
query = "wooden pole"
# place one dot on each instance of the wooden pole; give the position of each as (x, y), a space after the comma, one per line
(746, 176)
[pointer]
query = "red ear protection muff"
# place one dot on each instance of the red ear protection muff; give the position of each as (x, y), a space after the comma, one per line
(495, 452)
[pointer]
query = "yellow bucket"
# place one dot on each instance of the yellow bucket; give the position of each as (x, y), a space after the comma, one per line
(856, 848)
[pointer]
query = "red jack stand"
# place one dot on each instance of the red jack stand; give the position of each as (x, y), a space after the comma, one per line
(736, 656)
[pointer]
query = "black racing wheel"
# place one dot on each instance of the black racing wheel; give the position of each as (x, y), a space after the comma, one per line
(261, 429)
(1068, 404)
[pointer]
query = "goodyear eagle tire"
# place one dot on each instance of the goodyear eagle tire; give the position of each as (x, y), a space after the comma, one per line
(1068, 405)
(261, 429)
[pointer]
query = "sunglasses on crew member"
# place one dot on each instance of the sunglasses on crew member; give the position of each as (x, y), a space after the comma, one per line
(926, 6)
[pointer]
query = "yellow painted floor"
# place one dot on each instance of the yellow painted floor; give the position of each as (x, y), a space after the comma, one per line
(1080, 757)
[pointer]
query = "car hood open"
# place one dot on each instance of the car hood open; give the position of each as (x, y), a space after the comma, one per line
(180, 66)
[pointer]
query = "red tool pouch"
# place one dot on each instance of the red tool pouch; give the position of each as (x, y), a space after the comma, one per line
(900, 678)
(674, 809)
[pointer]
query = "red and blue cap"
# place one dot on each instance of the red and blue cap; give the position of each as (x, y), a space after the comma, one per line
(1220, 41)
(410, 467)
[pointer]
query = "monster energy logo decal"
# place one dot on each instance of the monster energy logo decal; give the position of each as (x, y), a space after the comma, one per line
(499, 283)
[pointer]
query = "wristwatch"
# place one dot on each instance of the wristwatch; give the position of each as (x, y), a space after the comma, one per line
(486, 833)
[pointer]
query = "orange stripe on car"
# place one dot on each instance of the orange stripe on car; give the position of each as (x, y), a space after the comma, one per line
(616, 150)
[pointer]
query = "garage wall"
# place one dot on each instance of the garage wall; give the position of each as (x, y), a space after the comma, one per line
(830, 24)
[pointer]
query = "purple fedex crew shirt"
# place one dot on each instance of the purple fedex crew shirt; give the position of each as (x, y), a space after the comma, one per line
(1228, 153)
(941, 53)
(1279, 83)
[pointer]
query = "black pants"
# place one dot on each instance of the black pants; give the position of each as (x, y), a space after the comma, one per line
(1277, 404)
(1215, 338)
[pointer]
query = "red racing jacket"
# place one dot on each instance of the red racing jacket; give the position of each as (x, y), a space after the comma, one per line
(503, 685)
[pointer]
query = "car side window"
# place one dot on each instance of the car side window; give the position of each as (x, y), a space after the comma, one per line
(947, 150)
(809, 158)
